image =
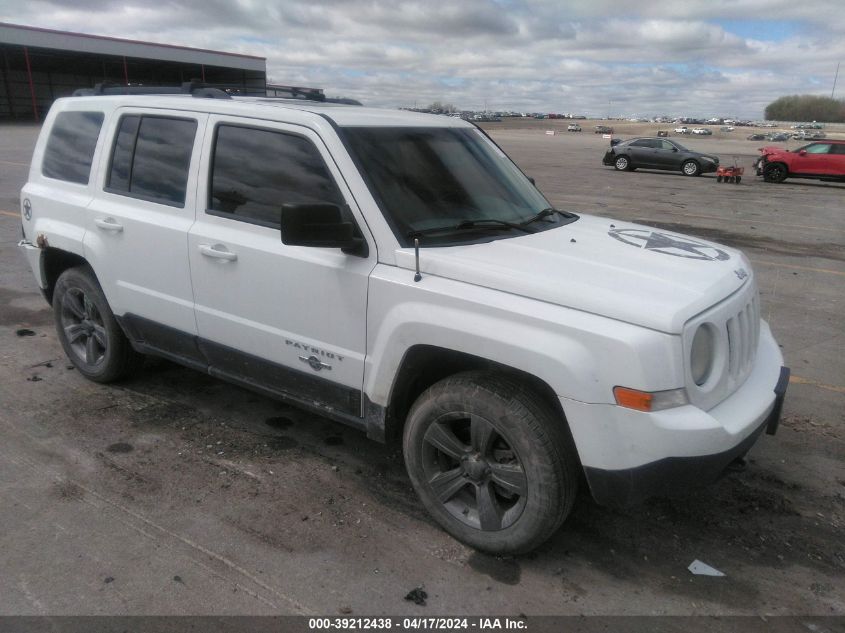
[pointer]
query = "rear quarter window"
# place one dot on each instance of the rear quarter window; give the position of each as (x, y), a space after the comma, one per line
(70, 147)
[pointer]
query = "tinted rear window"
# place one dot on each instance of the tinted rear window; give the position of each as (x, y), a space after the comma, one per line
(151, 158)
(70, 148)
(124, 147)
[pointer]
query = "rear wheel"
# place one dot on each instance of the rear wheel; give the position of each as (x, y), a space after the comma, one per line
(691, 168)
(775, 172)
(491, 462)
(87, 329)
(718, 179)
(622, 163)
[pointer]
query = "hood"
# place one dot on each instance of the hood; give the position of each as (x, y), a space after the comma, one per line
(629, 272)
(772, 149)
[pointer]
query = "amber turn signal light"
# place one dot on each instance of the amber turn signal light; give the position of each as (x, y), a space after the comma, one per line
(650, 400)
(633, 399)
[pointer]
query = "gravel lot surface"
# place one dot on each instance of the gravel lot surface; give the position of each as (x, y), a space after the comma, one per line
(174, 493)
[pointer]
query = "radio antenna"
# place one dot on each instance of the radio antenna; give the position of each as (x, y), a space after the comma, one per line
(417, 276)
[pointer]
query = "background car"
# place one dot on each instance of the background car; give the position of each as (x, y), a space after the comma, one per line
(779, 137)
(659, 153)
(703, 131)
(820, 160)
(603, 129)
(573, 127)
(682, 130)
(755, 137)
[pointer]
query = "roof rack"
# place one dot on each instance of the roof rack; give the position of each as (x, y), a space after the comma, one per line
(295, 92)
(194, 88)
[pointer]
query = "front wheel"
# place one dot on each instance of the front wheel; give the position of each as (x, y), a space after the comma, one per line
(775, 172)
(622, 163)
(87, 329)
(691, 168)
(492, 463)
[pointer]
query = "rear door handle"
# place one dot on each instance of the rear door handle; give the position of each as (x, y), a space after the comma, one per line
(108, 224)
(217, 251)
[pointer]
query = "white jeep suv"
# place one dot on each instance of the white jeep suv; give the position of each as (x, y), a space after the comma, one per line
(398, 273)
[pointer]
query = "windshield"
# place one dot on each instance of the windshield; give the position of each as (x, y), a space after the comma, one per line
(426, 178)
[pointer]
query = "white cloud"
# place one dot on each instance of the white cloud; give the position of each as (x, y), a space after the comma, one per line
(590, 56)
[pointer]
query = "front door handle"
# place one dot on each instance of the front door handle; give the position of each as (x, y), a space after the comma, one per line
(217, 251)
(108, 224)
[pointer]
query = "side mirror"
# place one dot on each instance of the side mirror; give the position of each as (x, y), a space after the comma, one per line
(531, 180)
(322, 226)
(803, 152)
(674, 149)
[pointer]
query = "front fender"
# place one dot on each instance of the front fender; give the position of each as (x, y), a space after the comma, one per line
(581, 356)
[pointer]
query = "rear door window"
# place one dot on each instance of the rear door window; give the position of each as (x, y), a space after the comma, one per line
(151, 158)
(70, 148)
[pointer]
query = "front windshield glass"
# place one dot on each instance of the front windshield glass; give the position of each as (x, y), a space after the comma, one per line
(427, 178)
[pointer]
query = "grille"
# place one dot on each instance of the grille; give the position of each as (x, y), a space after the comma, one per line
(743, 333)
(736, 321)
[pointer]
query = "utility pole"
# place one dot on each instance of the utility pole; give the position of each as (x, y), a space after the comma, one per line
(835, 77)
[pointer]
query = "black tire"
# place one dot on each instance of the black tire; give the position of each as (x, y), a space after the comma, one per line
(493, 464)
(718, 179)
(87, 329)
(622, 163)
(690, 168)
(775, 172)
(738, 179)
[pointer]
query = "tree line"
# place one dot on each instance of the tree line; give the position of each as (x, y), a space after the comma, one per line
(806, 108)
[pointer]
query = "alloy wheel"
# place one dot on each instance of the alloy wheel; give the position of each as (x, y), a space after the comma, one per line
(474, 471)
(83, 327)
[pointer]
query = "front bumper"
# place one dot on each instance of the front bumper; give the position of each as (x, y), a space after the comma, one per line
(707, 166)
(609, 159)
(629, 456)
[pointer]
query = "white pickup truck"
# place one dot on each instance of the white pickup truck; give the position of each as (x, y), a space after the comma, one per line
(397, 272)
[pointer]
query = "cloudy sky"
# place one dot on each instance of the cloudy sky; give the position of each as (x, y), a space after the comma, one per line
(599, 57)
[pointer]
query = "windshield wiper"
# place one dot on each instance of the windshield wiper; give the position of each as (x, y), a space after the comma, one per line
(466, 225)
(546, 213)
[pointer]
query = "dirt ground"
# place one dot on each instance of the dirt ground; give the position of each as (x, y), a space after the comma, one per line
(174, 493)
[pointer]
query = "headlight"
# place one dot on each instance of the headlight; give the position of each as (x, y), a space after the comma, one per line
(701, 353)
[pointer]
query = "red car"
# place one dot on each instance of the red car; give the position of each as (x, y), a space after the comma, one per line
(821, 160)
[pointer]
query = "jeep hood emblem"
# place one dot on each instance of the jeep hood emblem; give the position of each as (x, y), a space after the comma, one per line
(667, 244)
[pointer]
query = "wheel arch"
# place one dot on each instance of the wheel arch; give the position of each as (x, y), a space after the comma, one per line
(55, 261)
(424, 365)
